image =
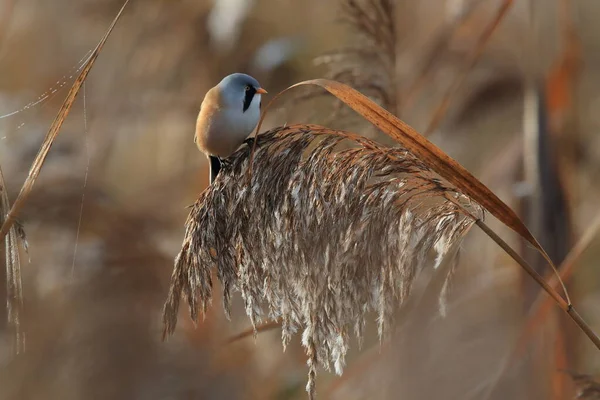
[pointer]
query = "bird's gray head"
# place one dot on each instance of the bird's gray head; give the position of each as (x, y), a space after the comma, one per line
(241, 91)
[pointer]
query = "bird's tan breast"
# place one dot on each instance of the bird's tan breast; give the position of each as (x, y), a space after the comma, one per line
(209, 110)
(217, 133)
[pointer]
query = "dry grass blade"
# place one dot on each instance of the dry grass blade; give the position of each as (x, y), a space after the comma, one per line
(54, 130)
(14, 289)
(330, 227)
(267, 326)
(426, 151)
(442, 108)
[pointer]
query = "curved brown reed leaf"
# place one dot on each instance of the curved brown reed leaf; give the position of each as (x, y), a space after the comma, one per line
(429, 153)
(329, 227)
(37, 164)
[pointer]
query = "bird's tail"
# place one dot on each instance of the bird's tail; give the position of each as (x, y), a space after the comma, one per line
(215, 166)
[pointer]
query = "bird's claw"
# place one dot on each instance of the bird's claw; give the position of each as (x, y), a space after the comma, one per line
(225, 162)
(249, 142)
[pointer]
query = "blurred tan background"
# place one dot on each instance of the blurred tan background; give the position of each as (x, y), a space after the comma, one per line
(106, 216)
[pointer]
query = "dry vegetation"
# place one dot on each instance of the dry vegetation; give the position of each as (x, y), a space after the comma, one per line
(307, 238)
(333, 236)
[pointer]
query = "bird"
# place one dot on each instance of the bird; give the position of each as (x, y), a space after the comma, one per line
(228, 114)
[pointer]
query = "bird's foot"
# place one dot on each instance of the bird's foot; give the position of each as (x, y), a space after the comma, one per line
(249, 142)
(225, 162)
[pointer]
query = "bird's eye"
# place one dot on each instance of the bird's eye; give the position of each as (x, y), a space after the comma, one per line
(247, 88)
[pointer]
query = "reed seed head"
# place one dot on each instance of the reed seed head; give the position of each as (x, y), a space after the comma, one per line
(329, 227)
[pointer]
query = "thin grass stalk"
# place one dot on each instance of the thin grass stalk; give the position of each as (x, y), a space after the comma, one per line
(254, 330)
(543, 305)
(568, 308)
(537, 277)
(564, 305)
(515, 256)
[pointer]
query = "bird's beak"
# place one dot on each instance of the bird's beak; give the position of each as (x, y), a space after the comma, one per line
(261, 91)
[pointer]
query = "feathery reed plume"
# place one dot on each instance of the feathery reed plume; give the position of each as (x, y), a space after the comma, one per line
(373, 23)
(369, 65)
(321, 235)
(14, 289)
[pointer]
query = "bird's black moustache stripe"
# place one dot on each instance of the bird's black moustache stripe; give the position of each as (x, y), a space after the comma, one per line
(250, 92)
